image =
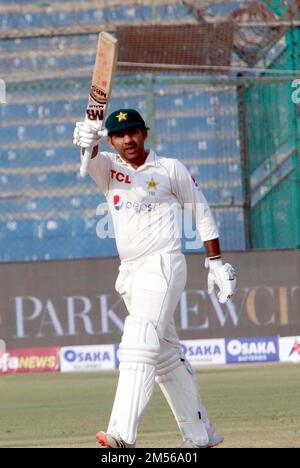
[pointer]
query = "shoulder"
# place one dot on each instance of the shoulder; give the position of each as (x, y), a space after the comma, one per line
(172, 165)
(169, 163)
(112, 156)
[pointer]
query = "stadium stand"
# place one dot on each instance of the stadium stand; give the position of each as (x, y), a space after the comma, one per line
(46, 210)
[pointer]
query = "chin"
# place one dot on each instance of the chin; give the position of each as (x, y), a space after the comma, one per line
(131, 157)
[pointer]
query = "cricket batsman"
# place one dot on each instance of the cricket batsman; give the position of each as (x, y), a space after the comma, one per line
(143, 191)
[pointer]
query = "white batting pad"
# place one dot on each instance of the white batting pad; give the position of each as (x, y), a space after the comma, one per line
(177, 381)
(138, 356)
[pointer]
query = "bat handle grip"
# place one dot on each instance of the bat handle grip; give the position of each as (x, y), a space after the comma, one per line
(85, 162)
(87, 156)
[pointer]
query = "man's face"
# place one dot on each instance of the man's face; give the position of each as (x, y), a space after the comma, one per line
(129, 143)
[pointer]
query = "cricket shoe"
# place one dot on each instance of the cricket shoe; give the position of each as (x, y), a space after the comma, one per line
(112, 441)
(214, 440)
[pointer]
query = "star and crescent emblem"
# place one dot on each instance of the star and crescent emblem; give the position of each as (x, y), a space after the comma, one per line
(122, 117)
(152, 185)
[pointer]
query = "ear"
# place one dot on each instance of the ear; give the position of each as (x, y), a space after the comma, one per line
(110, 142)
(145, 133)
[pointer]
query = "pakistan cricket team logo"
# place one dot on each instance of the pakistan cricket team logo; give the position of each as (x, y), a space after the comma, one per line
(122, 117)
(152, 186)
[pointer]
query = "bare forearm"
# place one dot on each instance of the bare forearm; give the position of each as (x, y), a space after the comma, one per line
(212, 248)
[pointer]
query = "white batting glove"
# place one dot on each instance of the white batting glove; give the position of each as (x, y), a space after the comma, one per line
(87, 135)
(222, 276)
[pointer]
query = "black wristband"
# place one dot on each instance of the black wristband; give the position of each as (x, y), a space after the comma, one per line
(218, 257)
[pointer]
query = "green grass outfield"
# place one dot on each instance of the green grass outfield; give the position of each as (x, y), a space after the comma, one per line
(253, 406)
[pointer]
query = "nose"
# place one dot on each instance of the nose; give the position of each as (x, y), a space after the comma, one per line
(127, 138)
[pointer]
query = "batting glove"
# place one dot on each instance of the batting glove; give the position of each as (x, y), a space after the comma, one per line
(222, 276)
(87, 136)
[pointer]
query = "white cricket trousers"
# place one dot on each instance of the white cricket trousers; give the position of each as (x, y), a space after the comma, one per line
(151, 289)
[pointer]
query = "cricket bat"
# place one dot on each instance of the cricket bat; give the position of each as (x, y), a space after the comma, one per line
(104, 71)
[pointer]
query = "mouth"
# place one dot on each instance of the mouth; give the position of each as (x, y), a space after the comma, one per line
(130, 150)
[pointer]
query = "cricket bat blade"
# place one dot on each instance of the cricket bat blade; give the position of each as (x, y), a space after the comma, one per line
(104, 71)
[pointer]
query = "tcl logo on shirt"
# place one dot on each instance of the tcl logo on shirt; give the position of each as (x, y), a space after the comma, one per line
(120, 177)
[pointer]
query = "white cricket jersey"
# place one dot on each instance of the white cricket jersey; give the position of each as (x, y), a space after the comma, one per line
(146, 203)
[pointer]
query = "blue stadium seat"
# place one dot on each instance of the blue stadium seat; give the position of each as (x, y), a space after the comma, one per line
(46, 210)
